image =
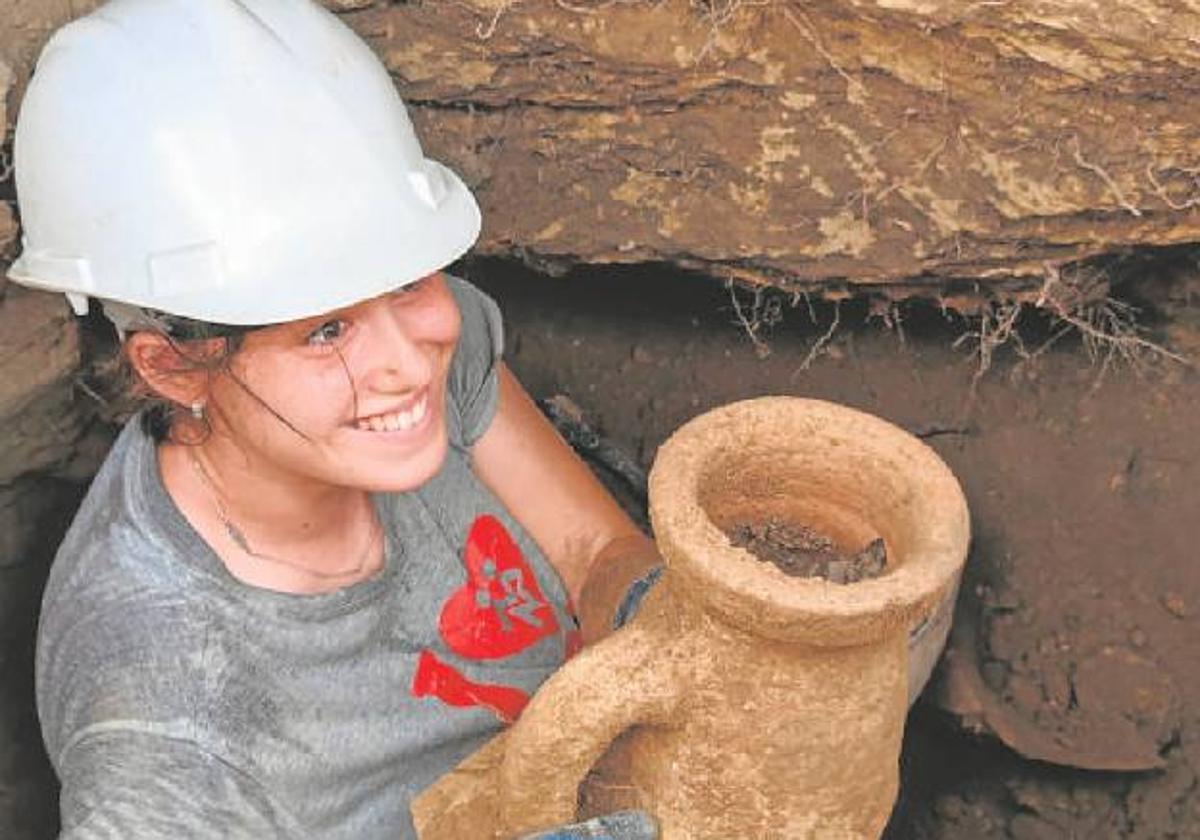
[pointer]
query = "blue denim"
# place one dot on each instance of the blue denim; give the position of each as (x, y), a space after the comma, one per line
(633, 596)
(620, 825)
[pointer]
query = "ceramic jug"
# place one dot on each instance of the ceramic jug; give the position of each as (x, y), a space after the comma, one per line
(741, 702)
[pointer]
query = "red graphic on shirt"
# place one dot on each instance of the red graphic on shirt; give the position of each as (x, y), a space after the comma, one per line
(500, 610)
(442, 681)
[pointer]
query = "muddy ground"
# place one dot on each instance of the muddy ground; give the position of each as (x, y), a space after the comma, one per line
(1076, 634)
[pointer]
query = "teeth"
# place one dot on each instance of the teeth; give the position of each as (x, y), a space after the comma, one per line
(397, 421)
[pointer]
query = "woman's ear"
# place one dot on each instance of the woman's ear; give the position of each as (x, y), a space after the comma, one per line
(177, 373)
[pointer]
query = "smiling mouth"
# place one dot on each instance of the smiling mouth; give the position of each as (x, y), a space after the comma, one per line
(396, 421)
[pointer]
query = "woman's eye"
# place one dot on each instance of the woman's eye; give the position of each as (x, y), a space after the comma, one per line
(328, 332)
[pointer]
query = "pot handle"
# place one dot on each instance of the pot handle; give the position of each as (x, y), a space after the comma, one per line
(622, 681)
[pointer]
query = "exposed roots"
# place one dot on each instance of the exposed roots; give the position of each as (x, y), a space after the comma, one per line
(1077, 300)
(997, 328)
(1101, 173)
(891, 313)
(717, 14)
(822, 341)
(485, 32)
(856, 92)
(1190, 182)
(720, 12)
(595, 9)
(1107, 327)
(763, 310)
(1074, 300)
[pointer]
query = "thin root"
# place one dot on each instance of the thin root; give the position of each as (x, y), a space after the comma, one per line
(763, 311)
(485, 33)
(856, 91)
(1161, 191)
(1103, 175)
(823, 341)
(718, 13)
(997, 328)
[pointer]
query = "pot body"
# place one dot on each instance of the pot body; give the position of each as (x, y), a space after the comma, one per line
(769, 740)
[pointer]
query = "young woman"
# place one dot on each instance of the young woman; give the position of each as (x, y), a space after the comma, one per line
(340, 547)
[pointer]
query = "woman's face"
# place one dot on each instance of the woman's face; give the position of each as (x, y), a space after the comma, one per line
(353, 398)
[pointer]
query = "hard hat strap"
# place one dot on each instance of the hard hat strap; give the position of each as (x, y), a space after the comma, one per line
(128, 318)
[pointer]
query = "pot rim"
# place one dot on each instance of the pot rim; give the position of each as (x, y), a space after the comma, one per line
(758, 597)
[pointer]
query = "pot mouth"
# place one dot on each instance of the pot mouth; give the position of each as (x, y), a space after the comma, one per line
(839, 471)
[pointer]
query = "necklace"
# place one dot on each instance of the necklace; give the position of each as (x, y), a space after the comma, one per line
(239, 538)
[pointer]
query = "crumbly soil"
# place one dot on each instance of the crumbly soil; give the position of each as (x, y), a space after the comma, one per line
(1075, 639)
(799, 551)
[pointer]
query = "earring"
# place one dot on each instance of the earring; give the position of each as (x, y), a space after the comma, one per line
(198, 410)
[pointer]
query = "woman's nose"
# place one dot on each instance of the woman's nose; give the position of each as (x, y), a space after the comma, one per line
(398, 361)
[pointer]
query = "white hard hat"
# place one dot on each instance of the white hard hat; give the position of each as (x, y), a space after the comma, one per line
(230, 161)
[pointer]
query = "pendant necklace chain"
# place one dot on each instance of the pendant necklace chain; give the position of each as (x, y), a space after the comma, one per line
(239, 538)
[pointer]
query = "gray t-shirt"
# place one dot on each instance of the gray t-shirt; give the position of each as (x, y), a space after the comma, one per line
(178, 702)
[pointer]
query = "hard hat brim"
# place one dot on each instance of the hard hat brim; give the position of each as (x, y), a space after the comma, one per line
(330, 276)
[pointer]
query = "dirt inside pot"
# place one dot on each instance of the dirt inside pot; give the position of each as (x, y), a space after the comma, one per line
(800, 551)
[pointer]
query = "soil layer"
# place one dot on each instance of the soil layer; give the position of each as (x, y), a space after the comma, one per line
(1075, 633)
(890, 145)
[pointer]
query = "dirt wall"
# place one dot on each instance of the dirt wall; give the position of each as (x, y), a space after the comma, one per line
(833, 141)
(24, 27)
(42, 417)
(889, 143)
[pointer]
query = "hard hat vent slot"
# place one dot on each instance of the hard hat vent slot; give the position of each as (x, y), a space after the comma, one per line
(429, 183)
(186, 270)
(49, 271)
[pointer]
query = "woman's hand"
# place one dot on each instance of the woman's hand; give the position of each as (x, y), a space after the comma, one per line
(619, 577)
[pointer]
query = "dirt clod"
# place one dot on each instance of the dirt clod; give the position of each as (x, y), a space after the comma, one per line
(799, 551)
(641, 355)
(1174, 604)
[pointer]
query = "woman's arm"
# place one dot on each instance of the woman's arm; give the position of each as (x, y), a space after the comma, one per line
(596, 548)
(122, 783)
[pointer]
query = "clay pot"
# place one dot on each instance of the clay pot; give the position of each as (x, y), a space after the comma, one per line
(740, 702)
(757, 705)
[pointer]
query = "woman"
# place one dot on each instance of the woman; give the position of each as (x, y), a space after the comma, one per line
(340, 547)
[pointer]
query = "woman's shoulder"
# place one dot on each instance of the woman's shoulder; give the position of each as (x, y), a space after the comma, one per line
(472, 378)
(122, 642)
(117, 599)
(112, 644)
(116, 581)
(482, 323)
(118, 545)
